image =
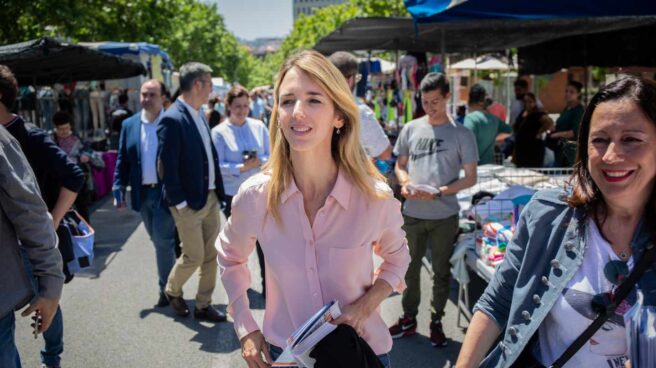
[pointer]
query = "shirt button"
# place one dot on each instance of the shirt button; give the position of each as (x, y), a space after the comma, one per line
(536, 299)
(569, 246)
(545, 280)
(512, 331)
(316, 294)
(555, 263)
(526, 315)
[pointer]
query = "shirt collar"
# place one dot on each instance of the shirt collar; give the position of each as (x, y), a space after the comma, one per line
(341, 190)
(193, 111)
(145, 120)
(12, 121)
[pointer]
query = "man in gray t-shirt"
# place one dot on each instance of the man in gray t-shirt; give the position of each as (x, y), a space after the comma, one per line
(431, 151)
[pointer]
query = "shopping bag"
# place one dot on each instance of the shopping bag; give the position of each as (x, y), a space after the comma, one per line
(79, 236)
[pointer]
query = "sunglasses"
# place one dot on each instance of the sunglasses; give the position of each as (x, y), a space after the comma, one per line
(616, 272)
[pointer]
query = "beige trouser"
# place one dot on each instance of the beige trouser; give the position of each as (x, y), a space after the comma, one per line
(198, 231)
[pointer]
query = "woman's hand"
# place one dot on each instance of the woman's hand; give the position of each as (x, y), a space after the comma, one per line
(357, 313)
(251, 164)
(253, 346)
(354, 315)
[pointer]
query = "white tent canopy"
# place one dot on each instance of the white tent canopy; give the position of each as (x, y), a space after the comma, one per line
(482, 63)
(386, 67)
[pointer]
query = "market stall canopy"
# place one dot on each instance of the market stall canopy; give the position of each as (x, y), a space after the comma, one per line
(482, 63)
(135, 48)
(481, 35)
(430, 11)
(623, 48)
(46, 61)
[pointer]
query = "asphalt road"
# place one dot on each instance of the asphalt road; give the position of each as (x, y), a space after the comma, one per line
(110, 319)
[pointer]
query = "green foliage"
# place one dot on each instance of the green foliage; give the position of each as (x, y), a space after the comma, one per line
(308, 30)
(186, 29)
(380, 8)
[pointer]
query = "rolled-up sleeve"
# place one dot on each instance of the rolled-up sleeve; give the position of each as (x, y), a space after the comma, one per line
(235, 244)
(392, 247)
(227, 167)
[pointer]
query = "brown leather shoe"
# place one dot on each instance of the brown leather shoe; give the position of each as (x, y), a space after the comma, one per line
(209, 314)
(179, 305)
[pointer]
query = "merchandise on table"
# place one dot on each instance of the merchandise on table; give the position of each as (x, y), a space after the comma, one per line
(492, 242)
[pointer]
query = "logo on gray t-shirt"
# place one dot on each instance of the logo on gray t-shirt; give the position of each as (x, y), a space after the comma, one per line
(436, 156)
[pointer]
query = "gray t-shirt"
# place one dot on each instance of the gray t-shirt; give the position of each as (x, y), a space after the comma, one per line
(436, 155)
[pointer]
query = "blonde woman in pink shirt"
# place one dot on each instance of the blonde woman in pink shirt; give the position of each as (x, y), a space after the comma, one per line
(320, 210)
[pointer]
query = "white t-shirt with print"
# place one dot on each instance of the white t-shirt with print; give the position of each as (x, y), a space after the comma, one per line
(573, 313)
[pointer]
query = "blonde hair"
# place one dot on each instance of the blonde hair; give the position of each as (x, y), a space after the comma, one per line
(345, 147)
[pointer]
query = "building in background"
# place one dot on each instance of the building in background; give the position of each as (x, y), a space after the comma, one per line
(307, 6)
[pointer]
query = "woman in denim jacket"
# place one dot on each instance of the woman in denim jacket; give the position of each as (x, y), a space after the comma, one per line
(571, 245)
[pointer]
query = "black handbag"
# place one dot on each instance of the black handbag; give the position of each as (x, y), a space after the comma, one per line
(526, 359)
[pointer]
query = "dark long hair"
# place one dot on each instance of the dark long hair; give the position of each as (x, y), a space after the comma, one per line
(586, 194)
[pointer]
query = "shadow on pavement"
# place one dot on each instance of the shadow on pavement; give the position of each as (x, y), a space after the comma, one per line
(113, 228)
(212, 337)
(417, 351)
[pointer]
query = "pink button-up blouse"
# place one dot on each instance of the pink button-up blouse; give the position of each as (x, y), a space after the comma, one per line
(308, 266)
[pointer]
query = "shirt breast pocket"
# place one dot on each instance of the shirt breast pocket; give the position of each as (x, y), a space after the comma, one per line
(351, 270)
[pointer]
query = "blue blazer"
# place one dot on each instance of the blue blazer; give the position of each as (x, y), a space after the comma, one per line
(128, 162)
(182, 162)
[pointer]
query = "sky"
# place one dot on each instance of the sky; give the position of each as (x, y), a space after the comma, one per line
(251, 19)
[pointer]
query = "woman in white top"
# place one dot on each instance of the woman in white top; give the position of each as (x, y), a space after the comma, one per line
(242, 144)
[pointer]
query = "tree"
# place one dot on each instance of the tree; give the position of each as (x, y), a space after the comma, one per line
(308, 30)
(186, 29)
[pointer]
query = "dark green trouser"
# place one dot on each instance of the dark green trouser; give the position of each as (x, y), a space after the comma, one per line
(442, 235)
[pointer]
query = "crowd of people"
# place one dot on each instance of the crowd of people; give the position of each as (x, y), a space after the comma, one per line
(299, 183)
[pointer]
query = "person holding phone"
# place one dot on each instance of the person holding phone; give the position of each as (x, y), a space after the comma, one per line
(320, 209)
(243, 147)
(242, 143)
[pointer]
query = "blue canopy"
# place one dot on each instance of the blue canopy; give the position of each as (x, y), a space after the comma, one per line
(122, 48)
(428, 11)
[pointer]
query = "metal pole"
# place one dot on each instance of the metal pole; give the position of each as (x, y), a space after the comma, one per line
(37, 118)
(587, 74)
(508, 89)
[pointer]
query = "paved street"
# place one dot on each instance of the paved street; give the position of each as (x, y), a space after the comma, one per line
(110, 320)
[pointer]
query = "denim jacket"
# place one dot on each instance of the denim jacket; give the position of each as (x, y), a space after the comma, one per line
(544, 255)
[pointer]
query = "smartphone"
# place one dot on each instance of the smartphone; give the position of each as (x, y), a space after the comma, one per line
(248, 155)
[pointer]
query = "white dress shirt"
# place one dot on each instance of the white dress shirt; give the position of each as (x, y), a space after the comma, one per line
(149, 148)
(204, 131)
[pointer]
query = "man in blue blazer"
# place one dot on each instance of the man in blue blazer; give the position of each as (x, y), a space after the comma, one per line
(137, 166)
(189, 167)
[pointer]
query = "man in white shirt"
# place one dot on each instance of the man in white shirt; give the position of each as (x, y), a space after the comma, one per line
(372, 136)
(192, 186)
(136, 166)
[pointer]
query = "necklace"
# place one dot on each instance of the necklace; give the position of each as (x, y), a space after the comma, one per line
(624, 253)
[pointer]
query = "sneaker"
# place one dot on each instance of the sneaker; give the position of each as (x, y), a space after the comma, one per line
(406, 326)
(437, 337)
